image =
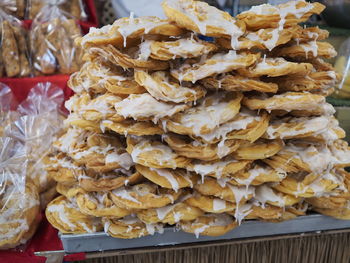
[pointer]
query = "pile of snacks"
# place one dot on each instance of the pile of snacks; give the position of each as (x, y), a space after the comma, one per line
(25, 138)
(168, 129)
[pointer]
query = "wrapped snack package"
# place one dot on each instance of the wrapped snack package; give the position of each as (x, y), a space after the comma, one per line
(19, 197)
(73, 7)
(342, 65)
(14, 55)
(53, 50)
(168, 129)
(14, 7)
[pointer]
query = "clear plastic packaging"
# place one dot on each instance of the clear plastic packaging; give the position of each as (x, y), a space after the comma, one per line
(342, 66)
(14, 7)
(73, 7)
(52, 42)
(14, 55)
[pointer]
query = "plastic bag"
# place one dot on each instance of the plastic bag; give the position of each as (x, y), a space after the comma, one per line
(342, 66)
(14, 7)
(7, 103)
(19, 199)
(73, 7)
(14, 55)
(52, 42)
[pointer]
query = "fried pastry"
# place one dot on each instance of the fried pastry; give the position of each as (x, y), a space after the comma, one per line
(324, 127)
(217, 169)
(185, 146)
(301, 102)
(342, 213)
(125, 60)
(67, 218)
(154, 154)
(260, 149)
(256, 175)
(210, 113)
(235, 82)
(145, 107)
(98, 204)
(168, 178)
(265, 194)
(210, 204)
(209, 225)
(216, 64)
(308, 186)
(306, 34)
(227, 192)
(162, 87)
(131, 127)
(311, 49)
(170, 214)
(129, 227)
(275, 67)
(310, 158)
(202, 18)
(181, 48)
(279, 16)
(125, 30)
(143, 196)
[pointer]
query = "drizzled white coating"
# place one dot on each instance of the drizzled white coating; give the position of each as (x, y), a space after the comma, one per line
(216, 168)
(219, 204)
(169, 177)
(204, 15)
(140, 106)
(265, 194)
(125, 194)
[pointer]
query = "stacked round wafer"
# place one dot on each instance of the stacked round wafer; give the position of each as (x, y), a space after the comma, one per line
(201, 121)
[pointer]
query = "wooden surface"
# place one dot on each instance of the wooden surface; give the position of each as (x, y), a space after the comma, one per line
(331, 246)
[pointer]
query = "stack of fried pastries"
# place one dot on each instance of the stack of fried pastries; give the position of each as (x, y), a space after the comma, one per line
(166, 128)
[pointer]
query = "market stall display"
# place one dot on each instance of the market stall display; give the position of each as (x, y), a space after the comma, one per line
(168, 129)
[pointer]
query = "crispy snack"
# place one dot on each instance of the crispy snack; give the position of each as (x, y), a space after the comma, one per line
(260, 149)
(310, 185)
(170, 214)
(256, 175)
(99, 152)
(338, 199)
(210, 204)
(20, 35)
(314, 81)
(209, 225)
(9, 48)
(125, 30)
(279, 16)
(94, 109)
(311, 49)
(235, 82)
(168, 178)
(19, 210)
(210, 113)
(265, 194)
(342, 213)
(97, 77)
(107, 182)
(98, 204)
(129, 227)
(185, 146)
(268, 38)
(306, 34)
(323, 128)
(162, 87)
(202, 18)
(154, 154)
(131, 127)
(217, 169)
(115, 56)
(216, 64)
(65, 216)
(289, 101)
(228, 192)
(265, 213)
(182, 48)
(143, 196)
(63, 169)
(311, 158)
(247, 125)
(144, 107)
(275, 67)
